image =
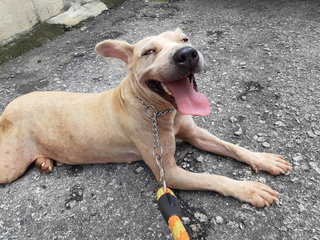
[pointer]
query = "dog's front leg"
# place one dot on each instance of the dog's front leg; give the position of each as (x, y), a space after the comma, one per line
(200, 138)
(257, 194)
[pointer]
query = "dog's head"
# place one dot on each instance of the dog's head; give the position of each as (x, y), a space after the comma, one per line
(163, 65)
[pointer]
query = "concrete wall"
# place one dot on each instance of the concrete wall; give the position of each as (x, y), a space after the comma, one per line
(18, 16)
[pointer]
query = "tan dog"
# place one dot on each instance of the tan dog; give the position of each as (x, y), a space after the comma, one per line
(76, 128)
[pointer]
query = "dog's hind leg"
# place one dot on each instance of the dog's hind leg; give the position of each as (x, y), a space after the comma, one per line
(44, 164)
(15, 156)
(14, 160)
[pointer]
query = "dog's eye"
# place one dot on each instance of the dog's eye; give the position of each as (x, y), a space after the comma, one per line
(150, 51)
(185, 40)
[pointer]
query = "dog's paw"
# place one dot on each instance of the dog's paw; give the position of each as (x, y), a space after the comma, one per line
(258, 194)
(44, 164)
(271, 163)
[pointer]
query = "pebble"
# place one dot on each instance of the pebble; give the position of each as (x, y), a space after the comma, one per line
(109, 199)
(138, 170)
(78, 54)
(266, 144)
(238, 132)
(315, 166)
(262, 180)
(219, 219)
(311, 134)
(233, 119)
(260, 139)
(243, 64)
(201, 217)
(317, 132)
(200, 158)
(297, 158)
(195, 227)
(301, 208)
(185, 220)
(279, 124)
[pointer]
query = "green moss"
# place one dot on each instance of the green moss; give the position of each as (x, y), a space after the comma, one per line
(159, 0)
(36, 38)
(112, 3)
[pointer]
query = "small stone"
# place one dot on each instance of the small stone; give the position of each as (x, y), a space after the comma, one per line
(262, 180)
(311, 134)
(185, 220)
(267, 49)
(243, 98)
(109, 199)
(238, 132)
(200, 158)
(315, 166)
(266, 144)
(317, 132)
(243, 64)
(138, 170)
(241, 226)
(78, 54)
(67, 205)
(233, 119)
(195, 227)
(279, 124)
(297, 158)
(283, 229)
(219, 219)
(260, 139)
(301, 208)
(201, 217)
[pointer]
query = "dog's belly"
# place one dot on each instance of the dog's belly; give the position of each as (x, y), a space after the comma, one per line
(77, 153)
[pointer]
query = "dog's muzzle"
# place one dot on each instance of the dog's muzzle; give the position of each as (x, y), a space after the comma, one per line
(187, 58)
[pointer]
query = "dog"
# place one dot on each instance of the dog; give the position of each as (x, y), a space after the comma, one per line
(86, 128)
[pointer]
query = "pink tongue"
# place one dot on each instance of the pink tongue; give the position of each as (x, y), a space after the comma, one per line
(188, 101)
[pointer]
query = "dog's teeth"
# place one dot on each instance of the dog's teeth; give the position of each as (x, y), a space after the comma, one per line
(166, 89)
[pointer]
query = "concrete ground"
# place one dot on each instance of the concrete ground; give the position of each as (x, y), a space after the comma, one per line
(262, 77)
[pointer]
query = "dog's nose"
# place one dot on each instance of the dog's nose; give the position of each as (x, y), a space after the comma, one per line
(186, 57)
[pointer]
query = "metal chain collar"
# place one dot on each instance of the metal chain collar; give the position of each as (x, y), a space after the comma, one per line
(157, 152)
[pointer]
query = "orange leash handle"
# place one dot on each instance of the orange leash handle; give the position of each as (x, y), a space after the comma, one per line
(170, 209)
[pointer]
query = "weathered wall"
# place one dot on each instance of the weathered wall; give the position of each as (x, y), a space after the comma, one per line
(18, 16)
(46, 9)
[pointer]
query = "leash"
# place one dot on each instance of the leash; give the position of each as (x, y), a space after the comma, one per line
(167, 202)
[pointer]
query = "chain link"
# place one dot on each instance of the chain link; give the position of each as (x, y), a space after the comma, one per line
(157, 152)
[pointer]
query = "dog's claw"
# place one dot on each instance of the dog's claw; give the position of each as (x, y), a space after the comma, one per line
(272, 163)
(44, 164)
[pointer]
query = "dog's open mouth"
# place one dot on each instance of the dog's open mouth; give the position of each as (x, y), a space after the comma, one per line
(183, 95)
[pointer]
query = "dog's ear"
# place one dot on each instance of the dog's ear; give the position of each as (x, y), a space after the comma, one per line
(115, 49)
